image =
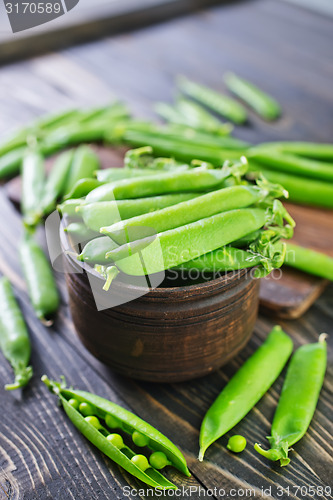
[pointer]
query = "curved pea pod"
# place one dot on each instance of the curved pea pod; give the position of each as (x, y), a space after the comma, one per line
(298, 400)
(196, 179)
(84, 164)
(69, 207)
(94, 251)
(245, 388)
(39, 279)
(10, 162)
(183, 213)
(118, 418)
(171, 248)
(33, 185)
(219, 103)
(14, 337)
(56, 181)
(266, 107)
(98, 214)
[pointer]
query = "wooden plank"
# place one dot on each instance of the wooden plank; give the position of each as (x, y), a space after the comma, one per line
(89, 21)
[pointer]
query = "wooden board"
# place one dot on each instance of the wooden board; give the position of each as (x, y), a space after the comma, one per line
(288, 293)
(285, 293)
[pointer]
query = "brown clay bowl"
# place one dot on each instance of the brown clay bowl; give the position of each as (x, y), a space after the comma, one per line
(171, 334)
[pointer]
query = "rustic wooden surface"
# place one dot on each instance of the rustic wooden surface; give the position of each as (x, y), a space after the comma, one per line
(288, 52)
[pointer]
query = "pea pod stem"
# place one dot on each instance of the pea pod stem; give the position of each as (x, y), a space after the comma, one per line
(266, 107)
(218, 103)
(298, 400)
(14, 337)
(245, 388)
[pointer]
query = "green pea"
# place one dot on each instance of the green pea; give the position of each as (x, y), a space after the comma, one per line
(158, 460)
(111, 422)
(140, 439)
(140, 461)
(236, 444)
(93, 421)
(86, 409)
(74, 402)
(116, 440)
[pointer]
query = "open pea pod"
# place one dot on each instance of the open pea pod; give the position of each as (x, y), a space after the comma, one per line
(117, 417)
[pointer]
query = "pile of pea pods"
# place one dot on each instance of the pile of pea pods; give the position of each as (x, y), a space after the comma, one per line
(203, 193)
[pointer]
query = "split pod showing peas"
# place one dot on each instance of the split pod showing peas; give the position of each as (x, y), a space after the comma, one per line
(98, 419)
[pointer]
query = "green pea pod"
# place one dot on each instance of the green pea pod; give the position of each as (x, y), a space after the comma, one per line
(39, 279)
(301, 190)
(310, 261)
(222, 260)
(245, 388)
(69, 208)
(196, 179)
(312, 150)
(221, 104)
(183, 213)
(266, 107)
(171, 248)
(182, 150)
(79, 232)
(85, 163)
(298, 400)
(33, 185)
(82, 187)
(199, 118)
(10, 163)
(193, 115)
(94, 251)
(292, 164)
(115, 174)
(115, 416)
(14, 337)
(56, 181)
(53, 121)
(101, 213)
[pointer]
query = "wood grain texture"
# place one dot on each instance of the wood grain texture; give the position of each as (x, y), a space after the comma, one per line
(42, 457)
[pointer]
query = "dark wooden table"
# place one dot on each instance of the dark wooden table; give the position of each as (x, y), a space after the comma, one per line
(288, 52)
